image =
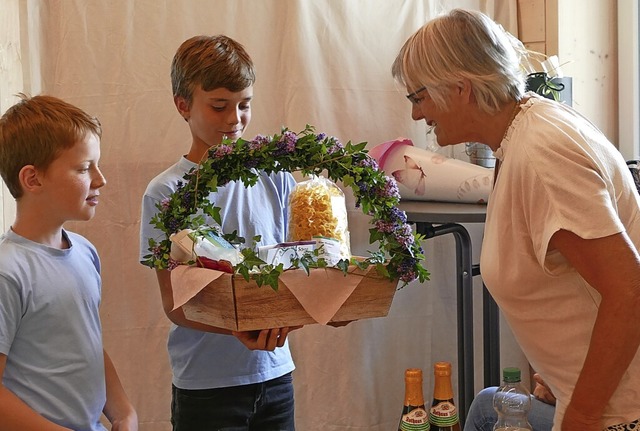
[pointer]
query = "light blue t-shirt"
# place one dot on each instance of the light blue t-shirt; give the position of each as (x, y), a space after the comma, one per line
(202, 360)
(50, 329)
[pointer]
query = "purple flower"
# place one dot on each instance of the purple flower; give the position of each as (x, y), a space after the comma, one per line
(396, 215)
(286, 144)
(369, 162)
(404, 236)
(222, 150)
(259, 142)
(406, 270)
(335, 146)
(157, 252)
(320, 137)
(385, 226)
(165, 204)
(389, 190)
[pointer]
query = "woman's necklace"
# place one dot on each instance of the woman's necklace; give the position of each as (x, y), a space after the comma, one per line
(511, 118)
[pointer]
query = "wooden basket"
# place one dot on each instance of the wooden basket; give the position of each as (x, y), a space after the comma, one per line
(233, 303)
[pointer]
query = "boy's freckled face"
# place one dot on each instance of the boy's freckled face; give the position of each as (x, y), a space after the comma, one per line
(70, 184)
(214, 114)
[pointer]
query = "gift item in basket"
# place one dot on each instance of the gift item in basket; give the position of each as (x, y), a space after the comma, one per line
(317, 208)
(206, 248)
(285, 252)
(428, 176)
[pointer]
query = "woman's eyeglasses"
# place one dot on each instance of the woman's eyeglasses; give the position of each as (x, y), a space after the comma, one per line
(413, 97)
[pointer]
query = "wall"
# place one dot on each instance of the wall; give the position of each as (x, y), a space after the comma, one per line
(11, 73)
(584, 37)
(587, 41)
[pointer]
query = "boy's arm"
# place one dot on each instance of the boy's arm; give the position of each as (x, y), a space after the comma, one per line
(16, 415)
(118, 409)
(266, 339)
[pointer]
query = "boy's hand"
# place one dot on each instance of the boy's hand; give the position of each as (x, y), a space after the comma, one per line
(125, 424)
(266, 339)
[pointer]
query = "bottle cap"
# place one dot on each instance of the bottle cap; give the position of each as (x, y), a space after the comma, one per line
(413, 374)
(442, 369)
(511, 374)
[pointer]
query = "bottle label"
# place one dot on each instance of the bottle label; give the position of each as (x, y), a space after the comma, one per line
(415, 420)
(443, 414)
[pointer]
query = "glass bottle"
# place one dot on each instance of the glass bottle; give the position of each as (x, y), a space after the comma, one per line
(443, 415)
(414, 414)
(512, 402)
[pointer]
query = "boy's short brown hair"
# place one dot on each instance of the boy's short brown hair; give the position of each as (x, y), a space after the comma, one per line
(211, 62)
(35, 131)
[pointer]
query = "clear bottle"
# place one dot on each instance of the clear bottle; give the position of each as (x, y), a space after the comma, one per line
(512, 402)
(414, 414)
(443, 415)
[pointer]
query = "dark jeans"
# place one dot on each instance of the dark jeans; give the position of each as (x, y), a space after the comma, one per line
(264, 406)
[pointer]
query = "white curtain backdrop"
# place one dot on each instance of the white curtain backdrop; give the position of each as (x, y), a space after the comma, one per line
(320, 62)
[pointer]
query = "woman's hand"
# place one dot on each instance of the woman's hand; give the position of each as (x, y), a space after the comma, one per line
(542, 391)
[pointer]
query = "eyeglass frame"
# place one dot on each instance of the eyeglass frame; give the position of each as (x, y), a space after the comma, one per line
(413, 96)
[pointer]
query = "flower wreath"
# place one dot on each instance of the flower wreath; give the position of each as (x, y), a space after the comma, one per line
(399, 255)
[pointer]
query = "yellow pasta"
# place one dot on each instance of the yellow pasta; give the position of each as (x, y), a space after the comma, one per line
(317, 208)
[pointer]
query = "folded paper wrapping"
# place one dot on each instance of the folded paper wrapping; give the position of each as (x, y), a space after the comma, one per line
(424, 175)
(325, 295)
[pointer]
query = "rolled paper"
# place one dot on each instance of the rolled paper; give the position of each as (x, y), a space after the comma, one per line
(424, 175)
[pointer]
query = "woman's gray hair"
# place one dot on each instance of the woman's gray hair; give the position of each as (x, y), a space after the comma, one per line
(460, 45)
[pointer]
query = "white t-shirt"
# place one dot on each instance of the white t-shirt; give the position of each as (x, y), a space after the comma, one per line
(558, 171)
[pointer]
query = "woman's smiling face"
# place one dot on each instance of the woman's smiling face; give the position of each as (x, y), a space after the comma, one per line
(447, 123)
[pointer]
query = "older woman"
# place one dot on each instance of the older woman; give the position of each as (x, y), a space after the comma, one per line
(560, 250)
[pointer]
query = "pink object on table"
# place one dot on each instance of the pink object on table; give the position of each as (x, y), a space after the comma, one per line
(381, 151)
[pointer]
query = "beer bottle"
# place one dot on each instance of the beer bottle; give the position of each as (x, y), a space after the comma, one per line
(414, 414)
(443, 415)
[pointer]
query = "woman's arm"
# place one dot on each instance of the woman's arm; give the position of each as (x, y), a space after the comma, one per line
(611, 265)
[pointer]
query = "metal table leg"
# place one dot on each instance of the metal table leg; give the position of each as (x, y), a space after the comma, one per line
(464, 308)
(491, 336)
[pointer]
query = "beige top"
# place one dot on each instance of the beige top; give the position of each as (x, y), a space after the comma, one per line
(557, 172)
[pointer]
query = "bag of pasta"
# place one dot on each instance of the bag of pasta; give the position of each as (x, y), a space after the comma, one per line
(317, 208)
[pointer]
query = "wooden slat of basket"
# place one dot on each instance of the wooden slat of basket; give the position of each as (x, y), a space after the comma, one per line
(214, 305)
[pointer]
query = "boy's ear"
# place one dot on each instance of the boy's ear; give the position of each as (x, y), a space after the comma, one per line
(29, 179)
(183, 107)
